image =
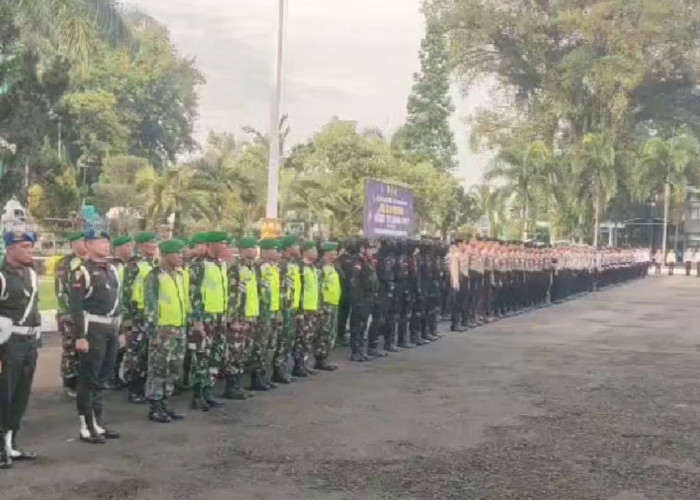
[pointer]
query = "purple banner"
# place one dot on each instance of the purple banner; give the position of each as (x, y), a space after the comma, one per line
(388, 210)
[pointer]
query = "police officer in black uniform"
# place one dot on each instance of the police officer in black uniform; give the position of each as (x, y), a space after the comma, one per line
(363, 291)
(95, 310)
(402, 293)
(344, 264)
(19, 333)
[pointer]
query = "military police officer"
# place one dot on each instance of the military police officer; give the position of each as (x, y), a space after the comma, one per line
(19, 330)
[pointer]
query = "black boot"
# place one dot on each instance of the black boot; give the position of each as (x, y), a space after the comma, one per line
(104, 430)
(213, 403)
(88, 433)
(373, 352)
(457, 328)
(198, 402)
(17, 453)
(323, 364)
(256, 382)
(169, 411)
(359, 357)
(279, 375)
(299, 370)
(233, 389)
(157, 413)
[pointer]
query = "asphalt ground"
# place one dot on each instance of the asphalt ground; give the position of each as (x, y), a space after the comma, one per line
(597, 398)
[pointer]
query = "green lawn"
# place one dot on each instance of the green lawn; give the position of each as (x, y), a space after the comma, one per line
(47, 297)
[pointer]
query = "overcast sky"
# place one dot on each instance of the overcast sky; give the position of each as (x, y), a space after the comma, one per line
(348, 58)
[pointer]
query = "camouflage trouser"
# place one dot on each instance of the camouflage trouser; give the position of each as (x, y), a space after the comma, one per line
(69, 356)
(305, 335)
(219, 348)
(166, 353)
(265, 337)
(239, 342)
(285, 339)
(136, 355)
(204, 367)
(276, 324)
(324, 340)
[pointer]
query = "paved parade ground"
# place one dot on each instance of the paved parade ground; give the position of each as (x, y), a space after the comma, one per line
(595, 398)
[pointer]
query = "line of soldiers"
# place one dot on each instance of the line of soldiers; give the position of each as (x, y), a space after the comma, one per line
(188, 313)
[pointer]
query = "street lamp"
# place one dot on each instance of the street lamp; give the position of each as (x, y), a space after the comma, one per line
(272, 225)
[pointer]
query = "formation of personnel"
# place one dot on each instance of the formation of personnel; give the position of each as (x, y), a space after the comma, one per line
(158, 317)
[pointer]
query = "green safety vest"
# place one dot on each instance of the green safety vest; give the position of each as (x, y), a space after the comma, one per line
(138, 292)
(271, 274)
(215, 287)
(173, 291)
(294, 277)
(249, 282)
(331, 286)
(310, 299)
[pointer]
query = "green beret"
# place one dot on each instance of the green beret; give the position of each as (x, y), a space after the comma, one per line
(73, 237)
(198, 239)
(247, 242)
(171, 246)
(269, 244)
(146, 237)
(122, 240)
(308, 245)
(185, 241)
(288, 241)
(217, 237)
(329, 246)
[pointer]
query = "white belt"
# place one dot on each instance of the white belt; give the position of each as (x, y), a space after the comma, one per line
(24, 330)
(101, 320)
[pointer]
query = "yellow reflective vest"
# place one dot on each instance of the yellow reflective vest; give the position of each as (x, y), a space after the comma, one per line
(293, 285)
(173, 298)
(331, 286)
(271, 278)
(310, 299)
(248, 284)
(138, 294)
(215, 287)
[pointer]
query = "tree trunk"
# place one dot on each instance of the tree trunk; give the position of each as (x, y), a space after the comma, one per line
(177, 222)
(596, 227)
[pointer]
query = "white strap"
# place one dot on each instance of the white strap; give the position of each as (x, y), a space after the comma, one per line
(119, 288)
(32, 298)
(3, 287)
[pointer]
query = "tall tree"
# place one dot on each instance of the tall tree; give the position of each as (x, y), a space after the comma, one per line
(427, 131)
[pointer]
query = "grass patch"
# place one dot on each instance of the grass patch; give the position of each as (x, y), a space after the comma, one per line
(47, 296)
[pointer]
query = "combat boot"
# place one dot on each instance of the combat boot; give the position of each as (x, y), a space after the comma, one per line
(323, 364)
(18, 453)
(279, 375)
(136, 398)
(376, 353)
(457, 328)
(5, 456)
(267, 380)
(198, 402)
(169, 411)
(299, 370)
(88, 433)
(359, 357)
(213, 403)
(233, 390)
(102, 429)
(256, 382)
(157, 414)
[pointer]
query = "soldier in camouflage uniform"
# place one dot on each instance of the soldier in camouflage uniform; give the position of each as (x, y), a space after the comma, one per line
(166, 312)
(265, 342)
(243, 318)
(136, 352)
(310, 305)
(123, 251)
(291, 307)
(64, 270)
(331, 295)
(209, 293)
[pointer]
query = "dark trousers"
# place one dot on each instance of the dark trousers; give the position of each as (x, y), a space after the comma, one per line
(671, 267)
(359, 317)
(343, 314)
(688, 266)
(96, 367)
(18, 356)
(376, 327)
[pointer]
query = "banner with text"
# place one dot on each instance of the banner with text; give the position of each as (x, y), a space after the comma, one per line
(388, 210)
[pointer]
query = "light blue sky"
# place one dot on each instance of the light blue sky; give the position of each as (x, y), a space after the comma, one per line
(349, 58)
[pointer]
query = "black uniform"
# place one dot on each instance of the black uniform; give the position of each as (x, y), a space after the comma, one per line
(19, 312)
(363, 290)
(402, 296)
(95, 310)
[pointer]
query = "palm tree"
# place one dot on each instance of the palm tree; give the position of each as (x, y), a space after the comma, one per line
(523, 169)
(667, 163)
(172, 191)
(489, 202)
(597, 179)
(71, 25)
